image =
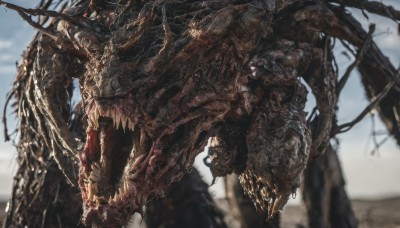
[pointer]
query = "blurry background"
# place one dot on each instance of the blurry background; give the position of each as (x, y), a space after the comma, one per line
(368, 175)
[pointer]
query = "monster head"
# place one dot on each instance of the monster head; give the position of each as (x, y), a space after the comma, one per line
(157, 80)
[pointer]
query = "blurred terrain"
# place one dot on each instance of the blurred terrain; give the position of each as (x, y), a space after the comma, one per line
(383, 213)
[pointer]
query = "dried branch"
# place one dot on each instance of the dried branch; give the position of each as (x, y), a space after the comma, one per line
(40, 12)
(359, 56)
(347, 126)
(5, 129)
(376, 72)
(48, 13)
(373, 7)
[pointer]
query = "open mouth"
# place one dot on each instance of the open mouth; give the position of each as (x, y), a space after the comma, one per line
(109, 165)
(124, 164)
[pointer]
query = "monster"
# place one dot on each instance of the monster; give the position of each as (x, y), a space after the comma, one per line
(159, 79)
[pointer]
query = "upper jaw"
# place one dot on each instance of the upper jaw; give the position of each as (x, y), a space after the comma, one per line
(119, 114)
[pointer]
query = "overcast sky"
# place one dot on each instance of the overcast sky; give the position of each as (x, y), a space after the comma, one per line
(367, 176)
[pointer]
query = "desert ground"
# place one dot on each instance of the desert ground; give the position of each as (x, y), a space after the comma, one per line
(383, 213)
(370, 213)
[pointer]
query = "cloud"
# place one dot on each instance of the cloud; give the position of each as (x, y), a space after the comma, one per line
(5, 44)
(6, 57)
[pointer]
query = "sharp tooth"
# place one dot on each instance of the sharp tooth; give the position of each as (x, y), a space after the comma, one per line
(117, 120)
(113, 117)
(131, 125)
(92, 119)
(96, 111)
(141, 212)
(89, 191)
(110, 200)
(90, 122)
(123, 122)
(125, 186)
(93, 190)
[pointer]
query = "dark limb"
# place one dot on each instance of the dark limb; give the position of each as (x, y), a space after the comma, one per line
(324, 193)
(243, 209)
(323, 189)
(187, 204)
(41, 196)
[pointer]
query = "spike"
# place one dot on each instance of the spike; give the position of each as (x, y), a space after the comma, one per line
(117, 119)
(89, 191)
(131, 126)
(113, 117)
(128, 124)
(123, 122)
(96, 111)
(125, 186)
(92, 119)
(141, 212)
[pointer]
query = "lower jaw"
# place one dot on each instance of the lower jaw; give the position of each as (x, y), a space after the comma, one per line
(112, 214)
(105, 215)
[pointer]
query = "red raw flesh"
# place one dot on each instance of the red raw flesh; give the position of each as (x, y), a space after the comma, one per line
(91, 152)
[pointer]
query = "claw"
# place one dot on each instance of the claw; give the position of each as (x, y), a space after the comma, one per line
(277, 204)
